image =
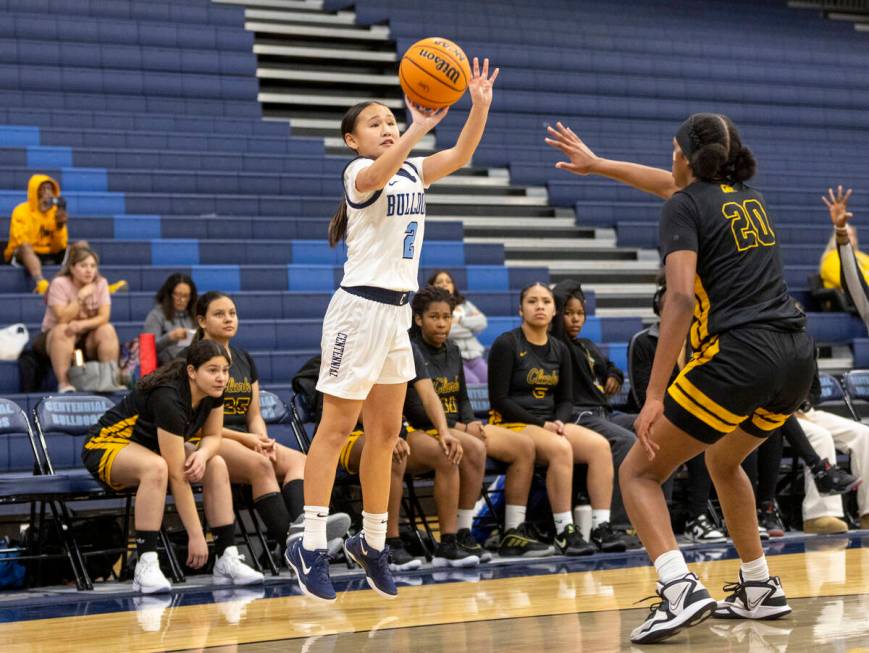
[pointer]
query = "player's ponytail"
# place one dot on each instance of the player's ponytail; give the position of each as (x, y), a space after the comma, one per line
(714, 149)
(338, 225)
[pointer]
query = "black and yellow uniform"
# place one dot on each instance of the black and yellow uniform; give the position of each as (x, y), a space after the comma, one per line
(136, 418)
(753, 360)
(344, 457)
(529, 384)
(239, 390)
(443, 365)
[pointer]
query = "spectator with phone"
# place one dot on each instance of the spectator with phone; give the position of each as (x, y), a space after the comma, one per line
(37, 231)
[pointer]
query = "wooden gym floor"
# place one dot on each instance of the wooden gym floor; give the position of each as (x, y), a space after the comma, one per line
(558, 604)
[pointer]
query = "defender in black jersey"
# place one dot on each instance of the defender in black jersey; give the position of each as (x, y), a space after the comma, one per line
(273, 471)
(442, 361)
(530, 390)
(146, 439)
(752, 364)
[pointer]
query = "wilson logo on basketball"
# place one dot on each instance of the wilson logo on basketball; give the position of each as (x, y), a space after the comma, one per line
(441, 65)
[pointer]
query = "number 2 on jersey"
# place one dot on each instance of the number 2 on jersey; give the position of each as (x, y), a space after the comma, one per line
(409, 238)
(749, 224)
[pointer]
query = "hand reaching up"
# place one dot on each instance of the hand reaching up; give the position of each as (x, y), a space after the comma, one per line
(563, 138)
(838, 205)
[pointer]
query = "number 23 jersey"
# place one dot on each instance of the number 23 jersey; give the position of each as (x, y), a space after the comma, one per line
(385, 228)
(739, 280)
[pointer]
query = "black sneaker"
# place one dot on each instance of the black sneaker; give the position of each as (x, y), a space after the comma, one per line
(753, 600)
(449, 554)
(629, 537)
(467, 542)
(523, 541)
(769, 517)
(684, 602)
(606, 539)
(830, 480)
(571, 542)
(701, 530)
(400, 558)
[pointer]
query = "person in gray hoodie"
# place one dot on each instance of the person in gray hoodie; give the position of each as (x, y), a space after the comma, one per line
(171, 319)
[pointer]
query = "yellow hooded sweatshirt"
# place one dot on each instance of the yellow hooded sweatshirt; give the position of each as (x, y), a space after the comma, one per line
(30, 225)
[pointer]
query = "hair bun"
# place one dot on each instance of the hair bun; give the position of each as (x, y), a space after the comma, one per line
(744, 165)
(709, 160)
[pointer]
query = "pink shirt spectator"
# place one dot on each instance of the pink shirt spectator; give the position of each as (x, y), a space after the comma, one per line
(62, 291)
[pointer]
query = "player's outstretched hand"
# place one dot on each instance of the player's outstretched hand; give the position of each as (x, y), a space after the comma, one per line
(425, 118)
(581, 158)
(837, 203)
(480, 86)
(652, 411)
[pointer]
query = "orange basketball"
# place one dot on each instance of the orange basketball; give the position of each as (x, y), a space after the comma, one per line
(434, 72)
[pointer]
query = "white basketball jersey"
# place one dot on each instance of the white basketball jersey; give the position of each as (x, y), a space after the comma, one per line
(385, 228)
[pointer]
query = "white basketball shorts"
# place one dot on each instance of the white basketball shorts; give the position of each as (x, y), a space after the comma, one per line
(364, 342)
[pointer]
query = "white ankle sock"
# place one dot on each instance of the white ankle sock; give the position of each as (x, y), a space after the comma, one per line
(598, 517)
(466, 519)
(670, 565)
(562, 520)
(756, 570)
(513, 516)
(374, 529)
(315, 527)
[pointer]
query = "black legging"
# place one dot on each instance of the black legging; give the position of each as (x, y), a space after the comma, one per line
(796, 437)
(762, 467)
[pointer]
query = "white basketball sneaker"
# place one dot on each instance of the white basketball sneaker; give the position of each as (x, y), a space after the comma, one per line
(750, 599)
(148, 578)
(684, 602)
(230, 568)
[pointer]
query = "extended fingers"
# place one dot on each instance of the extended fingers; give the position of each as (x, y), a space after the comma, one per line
(476, 72)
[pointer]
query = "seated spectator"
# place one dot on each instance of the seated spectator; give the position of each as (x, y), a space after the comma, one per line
(274, 472)
(468, 320)
(171, 319)
(595, 380)
(77, 316)
(37, 231)
(143, 442)
(531, 391)
(826, 432)
(348, 461)
(447, 393)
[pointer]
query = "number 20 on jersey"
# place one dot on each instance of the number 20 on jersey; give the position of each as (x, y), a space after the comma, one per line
(749, 224)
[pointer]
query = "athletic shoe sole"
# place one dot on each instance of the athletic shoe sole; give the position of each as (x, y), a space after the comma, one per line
(468, 561)
(542, 553)
(151, 590)
(407, 566)
(302, 586)
(370, 582)
(760, 613)
(692, 616)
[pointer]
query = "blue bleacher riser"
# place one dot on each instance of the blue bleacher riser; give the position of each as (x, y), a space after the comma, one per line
(256, 305)
(149, 227)
(53, 29)
(53, 118)
(191, 11)
(18, 136)
(192, 252)
(233, 278)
